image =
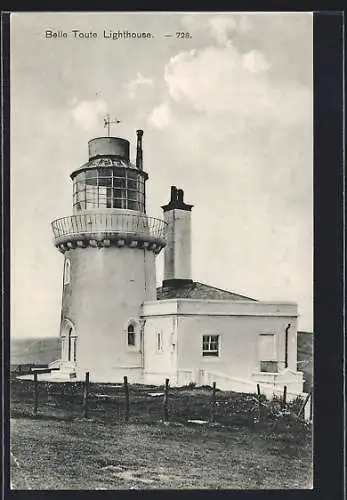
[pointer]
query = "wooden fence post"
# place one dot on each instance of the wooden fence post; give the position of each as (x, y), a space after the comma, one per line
(36, 394)
(259, 402)
(311, 404)
(166, 401)
(213, 403)
(85, 395)
(302, 409)
(284, 401)
(126, 389)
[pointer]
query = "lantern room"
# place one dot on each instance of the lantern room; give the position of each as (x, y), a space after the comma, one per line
(109, 180)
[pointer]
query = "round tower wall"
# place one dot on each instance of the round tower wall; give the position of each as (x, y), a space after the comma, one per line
(106, 291)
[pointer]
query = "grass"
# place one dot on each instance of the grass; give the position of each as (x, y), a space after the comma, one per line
(58, 449)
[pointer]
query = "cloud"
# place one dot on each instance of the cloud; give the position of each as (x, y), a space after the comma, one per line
(87, 114)
(161, 116)
(245, 24)
(224, 80)
(194, 22)
(255, 62)
(221, 26)
(138, 81)
(73, 101)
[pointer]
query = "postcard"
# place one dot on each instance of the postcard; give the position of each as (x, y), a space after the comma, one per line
(161, 250)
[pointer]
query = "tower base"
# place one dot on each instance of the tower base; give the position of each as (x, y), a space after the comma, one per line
(114, 376)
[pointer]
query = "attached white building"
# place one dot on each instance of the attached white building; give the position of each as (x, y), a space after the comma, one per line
(115, 322)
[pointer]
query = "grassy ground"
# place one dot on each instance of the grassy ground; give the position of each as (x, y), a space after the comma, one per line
(58, 449)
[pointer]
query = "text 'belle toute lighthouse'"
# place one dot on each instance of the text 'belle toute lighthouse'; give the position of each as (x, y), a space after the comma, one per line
(109, 246)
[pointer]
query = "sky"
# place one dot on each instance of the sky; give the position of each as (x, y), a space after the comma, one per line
(227, 115)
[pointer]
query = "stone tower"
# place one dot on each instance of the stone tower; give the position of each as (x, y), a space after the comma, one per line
(109, 246)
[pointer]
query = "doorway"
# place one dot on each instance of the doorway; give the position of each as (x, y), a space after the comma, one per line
(69, 343)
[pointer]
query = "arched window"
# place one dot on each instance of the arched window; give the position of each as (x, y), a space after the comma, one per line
(131, 334)
(69, 341)
(67, 271)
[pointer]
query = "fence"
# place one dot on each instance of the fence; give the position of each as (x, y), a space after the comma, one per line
(137, 403)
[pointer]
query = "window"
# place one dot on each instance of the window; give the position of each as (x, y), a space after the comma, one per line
(210, 345)
(131, 334)
(160, 342)
(267, 352)
(67, 271)
(116, 187)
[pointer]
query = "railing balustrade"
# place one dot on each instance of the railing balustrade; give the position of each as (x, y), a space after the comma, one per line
(125, 224)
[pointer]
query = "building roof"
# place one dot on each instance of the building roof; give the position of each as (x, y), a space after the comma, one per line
(197, 290)
(110, 161)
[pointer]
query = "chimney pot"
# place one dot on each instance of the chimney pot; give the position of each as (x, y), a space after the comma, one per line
(176, 201)
(173, 193)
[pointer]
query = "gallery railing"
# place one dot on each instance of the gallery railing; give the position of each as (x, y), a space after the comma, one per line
(89, 225)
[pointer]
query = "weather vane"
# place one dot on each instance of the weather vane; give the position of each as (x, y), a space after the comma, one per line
(108, 122)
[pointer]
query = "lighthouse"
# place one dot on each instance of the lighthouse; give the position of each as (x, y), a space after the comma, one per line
(115, 322)
(109, 245)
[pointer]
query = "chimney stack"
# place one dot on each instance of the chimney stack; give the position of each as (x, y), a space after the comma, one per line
(177, 254)
(139, 154)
